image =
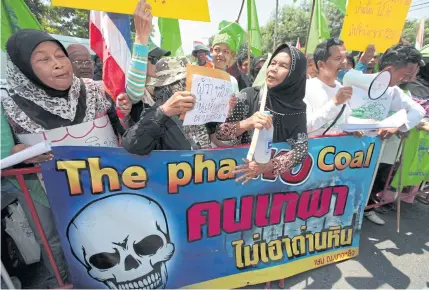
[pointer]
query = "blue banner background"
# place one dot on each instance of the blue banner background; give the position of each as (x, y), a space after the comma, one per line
(209, 258)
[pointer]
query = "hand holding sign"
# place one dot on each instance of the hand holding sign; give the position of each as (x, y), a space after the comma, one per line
(143, 22)
(179, 103)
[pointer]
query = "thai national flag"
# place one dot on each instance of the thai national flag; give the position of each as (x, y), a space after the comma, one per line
(110, 39)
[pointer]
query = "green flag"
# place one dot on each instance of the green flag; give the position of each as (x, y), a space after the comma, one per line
(170, 36)
(416, 160)
(15, 15)
(253, 28)
(319, 30)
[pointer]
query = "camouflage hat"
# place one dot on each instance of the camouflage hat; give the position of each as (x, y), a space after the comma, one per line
(170, 70)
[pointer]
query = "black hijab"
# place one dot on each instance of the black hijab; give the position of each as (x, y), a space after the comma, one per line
(19, 48)
(286, 101)
(253, 70)
(21, 45)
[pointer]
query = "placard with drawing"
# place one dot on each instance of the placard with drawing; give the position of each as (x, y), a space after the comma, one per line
(212, 100)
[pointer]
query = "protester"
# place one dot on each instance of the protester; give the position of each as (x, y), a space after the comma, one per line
(324, 95)
(225, 46)
(311, 67)
(362, 65)
(350, 62)
(373, 65)
(10, 191)
(83, 67)
(245, 79)
(46, 93)
(402, 61)
(286, 78)
(419, 88)
(200, 53)
(140, 72)
(160, 127)
(257, 64)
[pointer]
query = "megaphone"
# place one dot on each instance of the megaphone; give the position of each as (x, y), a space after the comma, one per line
(373, 84)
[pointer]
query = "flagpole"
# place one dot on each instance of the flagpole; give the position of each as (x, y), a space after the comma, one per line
(249, 51)
(275, 26)
(241, 10)
(309, 27)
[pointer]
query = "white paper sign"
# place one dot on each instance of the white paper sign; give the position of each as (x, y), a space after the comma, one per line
(93, 133)
(212, 102)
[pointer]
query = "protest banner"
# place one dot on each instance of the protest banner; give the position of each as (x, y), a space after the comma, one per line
(178, 218)
(197, 10)
(374, 22)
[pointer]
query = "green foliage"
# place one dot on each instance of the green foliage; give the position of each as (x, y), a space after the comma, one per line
(410, 30)
(60, 20)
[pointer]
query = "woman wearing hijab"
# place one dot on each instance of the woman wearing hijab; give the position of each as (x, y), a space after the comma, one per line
(257, 64)
(45, 92)
(286, 79)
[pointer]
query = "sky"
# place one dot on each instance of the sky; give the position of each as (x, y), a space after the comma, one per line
(229, 9)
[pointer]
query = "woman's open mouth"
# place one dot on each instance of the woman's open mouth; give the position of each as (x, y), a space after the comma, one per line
(62, 76)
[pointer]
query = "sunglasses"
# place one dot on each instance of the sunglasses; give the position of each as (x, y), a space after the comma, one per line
(153, 60)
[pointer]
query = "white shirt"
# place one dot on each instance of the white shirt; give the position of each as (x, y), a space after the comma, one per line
(321, 110)
(399, 101)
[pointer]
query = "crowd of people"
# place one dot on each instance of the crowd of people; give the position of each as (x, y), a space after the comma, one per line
(51, 86)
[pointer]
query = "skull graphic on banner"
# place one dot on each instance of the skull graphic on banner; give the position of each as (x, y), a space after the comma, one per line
(123, 241)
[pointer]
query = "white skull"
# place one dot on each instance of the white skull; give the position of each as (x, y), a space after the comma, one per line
(123, 241)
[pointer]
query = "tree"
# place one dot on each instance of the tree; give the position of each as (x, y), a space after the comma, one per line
(410, 30)
(61, 20)
(293, 23)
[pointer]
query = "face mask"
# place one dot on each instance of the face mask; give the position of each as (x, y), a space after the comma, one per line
(341, 75)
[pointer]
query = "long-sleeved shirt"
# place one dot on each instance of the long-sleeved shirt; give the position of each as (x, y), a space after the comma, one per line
(136, 77)
(321, 110)
(399, 101)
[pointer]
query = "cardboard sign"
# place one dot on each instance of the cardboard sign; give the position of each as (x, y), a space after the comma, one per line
(212, 104)
(93, 133)
(192, 70)
(197, 10)
(374, 22)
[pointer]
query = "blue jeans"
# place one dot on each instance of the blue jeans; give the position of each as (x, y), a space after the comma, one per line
(10, 193)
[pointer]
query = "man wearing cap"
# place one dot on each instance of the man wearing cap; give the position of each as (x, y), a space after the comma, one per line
(200, 53)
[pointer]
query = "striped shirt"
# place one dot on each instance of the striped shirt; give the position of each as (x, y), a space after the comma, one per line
(136, 77)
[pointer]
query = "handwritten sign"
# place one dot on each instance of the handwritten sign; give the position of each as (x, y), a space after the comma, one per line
(197, 10)
(378, 22)
(93, 133)
(212, 100)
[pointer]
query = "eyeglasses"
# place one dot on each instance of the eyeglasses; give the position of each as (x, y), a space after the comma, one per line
(82, 63)
(153, 60)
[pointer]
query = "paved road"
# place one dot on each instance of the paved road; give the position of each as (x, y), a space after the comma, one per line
(386, 260)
